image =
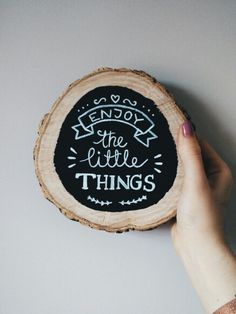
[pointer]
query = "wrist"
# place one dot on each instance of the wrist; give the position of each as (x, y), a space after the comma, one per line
(212, 269)
(193, 241)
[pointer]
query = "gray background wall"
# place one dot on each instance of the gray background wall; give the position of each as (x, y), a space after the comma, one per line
(52, 265)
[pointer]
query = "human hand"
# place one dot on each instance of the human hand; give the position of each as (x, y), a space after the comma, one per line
(198, 232)
(206, 188)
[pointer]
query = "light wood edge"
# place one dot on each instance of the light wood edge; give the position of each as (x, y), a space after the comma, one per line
(43, 125)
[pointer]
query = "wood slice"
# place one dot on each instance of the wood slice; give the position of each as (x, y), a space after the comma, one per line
(106, 153)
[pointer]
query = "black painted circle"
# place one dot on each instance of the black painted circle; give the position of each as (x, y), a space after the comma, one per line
(115, 151)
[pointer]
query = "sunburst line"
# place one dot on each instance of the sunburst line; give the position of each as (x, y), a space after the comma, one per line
(158, 156)
(157, 170)
(71, 157)
(71, 166)
(159, 163)
(74, 151)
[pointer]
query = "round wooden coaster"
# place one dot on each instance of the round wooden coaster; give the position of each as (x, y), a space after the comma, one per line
(106, 153)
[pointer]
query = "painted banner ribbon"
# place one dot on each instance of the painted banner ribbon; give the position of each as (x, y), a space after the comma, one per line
(119, 113)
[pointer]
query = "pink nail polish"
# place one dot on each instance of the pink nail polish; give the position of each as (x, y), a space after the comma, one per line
(187, 128)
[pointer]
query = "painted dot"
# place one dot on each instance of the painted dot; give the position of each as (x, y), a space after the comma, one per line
(149, 110)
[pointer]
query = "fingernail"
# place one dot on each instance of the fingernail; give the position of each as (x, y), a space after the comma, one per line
(187, 128)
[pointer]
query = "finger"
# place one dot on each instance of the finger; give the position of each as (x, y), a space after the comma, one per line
(218, 172)
(190, 154)
(214, 164)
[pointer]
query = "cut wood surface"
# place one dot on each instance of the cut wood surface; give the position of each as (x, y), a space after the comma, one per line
(49, 131)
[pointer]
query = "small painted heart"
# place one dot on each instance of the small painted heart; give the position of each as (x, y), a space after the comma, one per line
(115, 98)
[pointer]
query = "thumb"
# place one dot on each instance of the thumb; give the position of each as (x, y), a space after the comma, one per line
(190, 154)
